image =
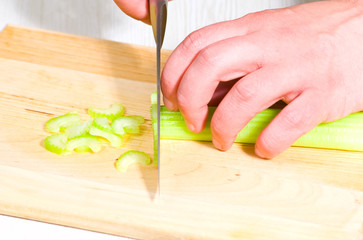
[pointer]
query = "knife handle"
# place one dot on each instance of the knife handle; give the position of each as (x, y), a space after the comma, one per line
(158, 16)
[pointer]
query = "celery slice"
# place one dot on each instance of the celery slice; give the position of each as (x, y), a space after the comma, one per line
(83, 149)
(154, 124)
(103, 124)
(84, 143)
(60, 123)
(343, 134)
(115, 141)
(129, 124)
(57, 143)
(78, 130)
(140, 119)
(115, 111)
(131, 157)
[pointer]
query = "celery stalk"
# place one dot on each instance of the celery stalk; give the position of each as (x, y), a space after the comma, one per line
(343, 134)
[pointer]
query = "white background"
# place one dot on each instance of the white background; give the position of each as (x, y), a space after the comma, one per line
(102, 19)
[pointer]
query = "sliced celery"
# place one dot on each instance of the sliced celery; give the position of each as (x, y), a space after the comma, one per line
(154, 98)
(115, 141)
(57, 143)
(102, 123)
(154, 115)
(60, 123)
(82, 144)
(139, 119)
(343, 134)
(78, 130)
(129, 124)
(83, 149)
(115, 111)
(131, 157)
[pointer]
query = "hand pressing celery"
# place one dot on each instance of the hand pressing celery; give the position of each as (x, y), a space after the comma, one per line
(343, 134)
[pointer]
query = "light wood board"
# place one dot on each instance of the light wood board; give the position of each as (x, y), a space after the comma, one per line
(205, 194)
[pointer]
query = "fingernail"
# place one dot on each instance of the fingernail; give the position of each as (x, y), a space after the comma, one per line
(217, 144)
(260, 153)
(190, 126)
(169, 104)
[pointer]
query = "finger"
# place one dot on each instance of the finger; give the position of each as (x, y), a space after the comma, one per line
(296, 119)
(138, 9)
(251, 95)
(184, 54)
(220, 61)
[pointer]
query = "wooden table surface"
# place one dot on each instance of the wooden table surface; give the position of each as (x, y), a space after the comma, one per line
(206, 194)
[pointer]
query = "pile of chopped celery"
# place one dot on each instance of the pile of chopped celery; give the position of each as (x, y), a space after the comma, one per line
(70, 134)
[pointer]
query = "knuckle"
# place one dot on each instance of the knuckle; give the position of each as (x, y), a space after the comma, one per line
(167, 87)
(249, 17)
(294, 119)
(326, 44)
(206, 57)
(191, 42)
(246, 92)
(217, 125)
(268, 143)
(183, 102)
(255, 16)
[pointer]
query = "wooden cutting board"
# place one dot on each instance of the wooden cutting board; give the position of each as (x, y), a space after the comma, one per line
(205, 194)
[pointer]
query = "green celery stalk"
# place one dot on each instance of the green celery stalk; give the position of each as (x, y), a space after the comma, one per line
(343, 134)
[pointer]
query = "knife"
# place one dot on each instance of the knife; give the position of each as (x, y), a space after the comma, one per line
(158, 16)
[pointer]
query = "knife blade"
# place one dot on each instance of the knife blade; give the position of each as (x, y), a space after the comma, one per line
(158, 16)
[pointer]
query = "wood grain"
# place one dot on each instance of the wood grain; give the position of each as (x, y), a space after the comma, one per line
(205, 194)
(111, 59)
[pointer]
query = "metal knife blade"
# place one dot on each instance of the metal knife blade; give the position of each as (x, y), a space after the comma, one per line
(158, 16)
